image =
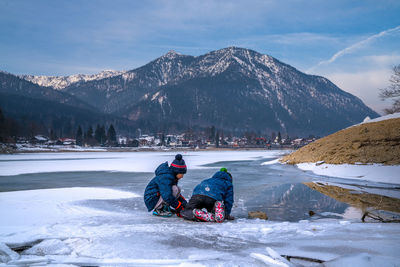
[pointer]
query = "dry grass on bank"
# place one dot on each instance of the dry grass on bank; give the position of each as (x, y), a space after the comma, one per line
(375, 142)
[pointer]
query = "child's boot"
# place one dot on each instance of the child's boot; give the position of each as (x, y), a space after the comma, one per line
(203, 216)
(219, 209)
(164, 211)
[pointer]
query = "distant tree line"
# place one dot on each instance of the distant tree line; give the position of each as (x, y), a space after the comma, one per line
(8, 129)
(98, 137)
(61, 126)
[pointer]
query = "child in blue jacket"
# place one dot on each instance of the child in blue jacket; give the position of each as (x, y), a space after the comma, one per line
(163, 192)
(215, 195)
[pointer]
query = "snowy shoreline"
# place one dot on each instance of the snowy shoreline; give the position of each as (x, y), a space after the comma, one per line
(374, 172)
(367, 172)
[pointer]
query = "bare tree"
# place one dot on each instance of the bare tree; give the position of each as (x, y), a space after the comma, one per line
(393, 91)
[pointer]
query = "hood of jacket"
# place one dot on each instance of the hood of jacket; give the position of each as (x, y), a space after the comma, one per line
(163, 169)
(223, 176)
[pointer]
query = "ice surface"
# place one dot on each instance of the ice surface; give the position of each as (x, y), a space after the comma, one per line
(270, 162)
(364, 260)
(6, 254)
(87, 226)
(37, 207)
(112, 161)
(141, 239)
(49, 247)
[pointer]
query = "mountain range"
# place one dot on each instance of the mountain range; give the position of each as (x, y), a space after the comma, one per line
(234, 89)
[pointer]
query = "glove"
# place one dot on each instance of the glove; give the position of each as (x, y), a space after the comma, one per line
(179, 208)
(183, 200)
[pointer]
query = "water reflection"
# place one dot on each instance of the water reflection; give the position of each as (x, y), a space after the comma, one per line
(365, 203)
(292, 202)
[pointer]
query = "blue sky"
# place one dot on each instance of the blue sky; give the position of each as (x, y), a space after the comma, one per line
(353, 43)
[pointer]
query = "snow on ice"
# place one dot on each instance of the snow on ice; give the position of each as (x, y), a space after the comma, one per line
(63, 231)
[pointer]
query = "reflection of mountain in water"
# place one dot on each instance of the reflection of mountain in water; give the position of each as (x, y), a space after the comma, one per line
(292, 202)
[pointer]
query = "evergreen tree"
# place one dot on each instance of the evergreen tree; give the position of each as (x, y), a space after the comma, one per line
(89, 136)
(100, 134)
(9, 129)
(287, 139)
(217, 140)
(3, 131)
(67, 129)
(53, 135)
(97, 134)
(103, 135)
(111, 136)
(2, 118)
(273, 136)
(89, 133)
(279, 137)
(79, 137)
(212, 133)
(163, 139)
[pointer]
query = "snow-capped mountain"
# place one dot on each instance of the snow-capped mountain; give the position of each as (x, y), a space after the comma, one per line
(235, 89)
(60, 82)
(12, 85)
(37, 108)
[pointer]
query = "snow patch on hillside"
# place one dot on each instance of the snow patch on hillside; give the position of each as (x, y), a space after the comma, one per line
(382, 118)
(60, 82)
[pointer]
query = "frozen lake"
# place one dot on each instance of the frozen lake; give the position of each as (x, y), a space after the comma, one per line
(87, 209)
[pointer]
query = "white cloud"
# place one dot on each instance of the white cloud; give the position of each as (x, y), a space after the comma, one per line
(300, 37)
(365, 85)
(357, 46)
(383, 61)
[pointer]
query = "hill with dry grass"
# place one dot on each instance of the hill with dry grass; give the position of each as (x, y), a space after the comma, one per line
(373, 142)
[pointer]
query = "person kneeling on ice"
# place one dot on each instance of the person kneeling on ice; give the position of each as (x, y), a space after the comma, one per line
(163, 192)
(215, 195)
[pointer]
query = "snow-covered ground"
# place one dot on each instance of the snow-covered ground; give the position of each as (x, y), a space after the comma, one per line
(87, 226)
(371, 172)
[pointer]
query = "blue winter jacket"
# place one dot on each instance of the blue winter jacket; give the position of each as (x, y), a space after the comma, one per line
(162, 185)
(218, 187)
